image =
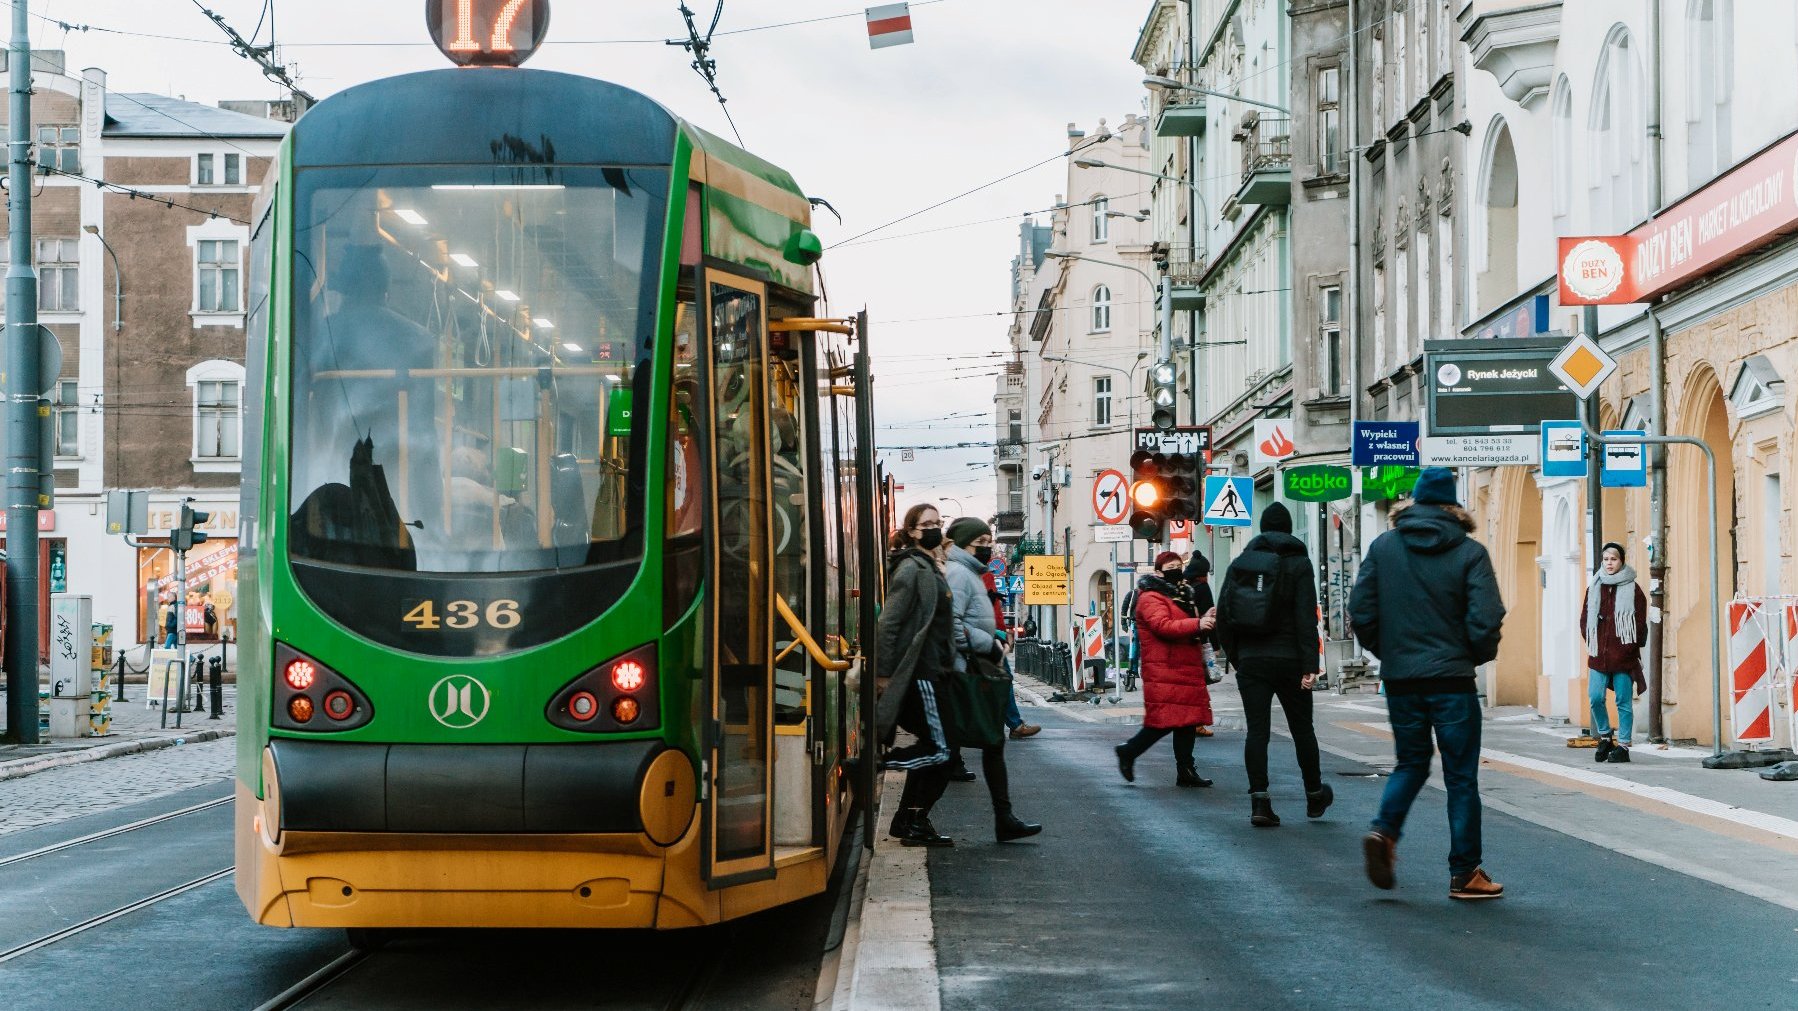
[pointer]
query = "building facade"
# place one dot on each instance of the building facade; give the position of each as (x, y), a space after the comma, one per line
(1599, 119)
(141, 232)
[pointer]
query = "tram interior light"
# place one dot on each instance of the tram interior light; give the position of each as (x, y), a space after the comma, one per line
(572, 347)
(498, 186)
(464, 260)
(510, 296)
(543, 324)
(410, 216)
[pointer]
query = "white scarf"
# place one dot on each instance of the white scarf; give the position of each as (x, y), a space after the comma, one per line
(1623, 609)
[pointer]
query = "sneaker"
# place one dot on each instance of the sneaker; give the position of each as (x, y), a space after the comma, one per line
(1318, 801)
(1024, 730)
(922, 833)
(1380, 852)
(1605, 746)
(1126, 764)
(1474, 886)
(1618, 754)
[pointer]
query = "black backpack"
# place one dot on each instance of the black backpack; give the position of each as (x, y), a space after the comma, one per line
(1254, 597)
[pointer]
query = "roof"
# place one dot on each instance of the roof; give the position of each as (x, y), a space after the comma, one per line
(140, 114)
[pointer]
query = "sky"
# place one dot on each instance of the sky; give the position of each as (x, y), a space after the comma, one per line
(988, 88)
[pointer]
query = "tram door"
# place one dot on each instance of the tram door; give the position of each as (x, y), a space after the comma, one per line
(739, 826)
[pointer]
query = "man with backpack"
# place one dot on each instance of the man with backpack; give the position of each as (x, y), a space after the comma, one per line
(1267, 625)
(1426, 603)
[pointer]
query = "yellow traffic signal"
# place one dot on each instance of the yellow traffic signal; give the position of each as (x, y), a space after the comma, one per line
(1145, 494)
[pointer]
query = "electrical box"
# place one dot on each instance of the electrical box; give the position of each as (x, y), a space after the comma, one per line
(71, 647)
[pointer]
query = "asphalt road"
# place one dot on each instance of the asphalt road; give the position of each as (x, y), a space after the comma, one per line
(1148, 896)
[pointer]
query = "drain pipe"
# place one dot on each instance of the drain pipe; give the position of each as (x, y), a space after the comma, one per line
(1351, 290)
(1657, 523)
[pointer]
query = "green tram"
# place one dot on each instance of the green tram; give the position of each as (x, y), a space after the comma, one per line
(559, 519)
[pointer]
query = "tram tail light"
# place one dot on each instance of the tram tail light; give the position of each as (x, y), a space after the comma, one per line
(305, 688)
(614, 696)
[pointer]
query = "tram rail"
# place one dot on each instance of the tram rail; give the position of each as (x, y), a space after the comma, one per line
(113, 832)
(110, 915)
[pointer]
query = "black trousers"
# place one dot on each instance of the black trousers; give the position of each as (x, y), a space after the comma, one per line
(1258, 696)
(1183, 742)
(926, 763)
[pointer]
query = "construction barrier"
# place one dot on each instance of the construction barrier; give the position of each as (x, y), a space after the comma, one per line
(1751, 680)
(1789, 667)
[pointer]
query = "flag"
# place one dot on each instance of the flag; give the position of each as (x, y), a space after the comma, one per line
(889, 25)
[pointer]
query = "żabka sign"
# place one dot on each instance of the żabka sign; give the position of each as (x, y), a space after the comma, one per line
(1751, 205)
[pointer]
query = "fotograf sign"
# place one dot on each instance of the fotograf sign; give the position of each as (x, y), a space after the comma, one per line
(1385, 443)
(1182, 439)
(1485, 387)
(1319, 483)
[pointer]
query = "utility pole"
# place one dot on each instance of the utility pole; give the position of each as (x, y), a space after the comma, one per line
(22, 392)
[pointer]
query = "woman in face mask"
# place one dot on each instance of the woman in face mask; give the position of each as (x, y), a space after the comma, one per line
(1614, 621)
(917, 647)
(1175, 695)
(978, 635)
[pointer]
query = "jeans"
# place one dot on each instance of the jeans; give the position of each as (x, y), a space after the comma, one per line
(1013, 718)
(1258, 696)
(1625, 687)
(169, 643)
(1147, 736)
(1455, 720)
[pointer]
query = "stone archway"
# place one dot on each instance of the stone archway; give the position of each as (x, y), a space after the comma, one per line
(1520, 649)
(1688, 670)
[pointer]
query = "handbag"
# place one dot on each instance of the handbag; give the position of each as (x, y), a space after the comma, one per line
(978, 699)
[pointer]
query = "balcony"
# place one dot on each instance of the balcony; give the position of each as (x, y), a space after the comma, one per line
(1010, 454)
(1185, 268)
(1009, 524)
(1266, 169)
(1182, 120)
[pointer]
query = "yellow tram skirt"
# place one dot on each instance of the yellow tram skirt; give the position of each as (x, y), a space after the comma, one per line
(332, 879)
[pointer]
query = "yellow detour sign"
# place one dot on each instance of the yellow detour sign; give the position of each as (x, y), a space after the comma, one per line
(1045, 579)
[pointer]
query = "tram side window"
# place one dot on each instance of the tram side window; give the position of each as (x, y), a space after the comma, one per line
(684, 512)
(792, 536)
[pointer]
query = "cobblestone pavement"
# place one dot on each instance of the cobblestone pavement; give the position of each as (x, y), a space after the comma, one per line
(95, 787)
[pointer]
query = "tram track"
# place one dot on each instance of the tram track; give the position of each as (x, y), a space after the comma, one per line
(110, 833)
(315, 982)
(110, 915)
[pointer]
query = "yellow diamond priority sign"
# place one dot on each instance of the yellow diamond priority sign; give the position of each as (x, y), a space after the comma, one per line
(1583, 366)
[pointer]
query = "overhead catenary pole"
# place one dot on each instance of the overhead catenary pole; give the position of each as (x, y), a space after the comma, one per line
(22, 391)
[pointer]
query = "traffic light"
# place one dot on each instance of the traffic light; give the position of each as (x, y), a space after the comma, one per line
(1164, 488)
(1163, 394)
(184, 537)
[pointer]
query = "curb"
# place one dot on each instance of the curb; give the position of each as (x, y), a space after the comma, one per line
(31, 766)
(890, 965)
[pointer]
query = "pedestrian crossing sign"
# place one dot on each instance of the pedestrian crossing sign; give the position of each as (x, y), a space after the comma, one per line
(1229, 501)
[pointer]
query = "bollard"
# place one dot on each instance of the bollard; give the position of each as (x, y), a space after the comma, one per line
(198, 677)
(216, 667)
(121, 677)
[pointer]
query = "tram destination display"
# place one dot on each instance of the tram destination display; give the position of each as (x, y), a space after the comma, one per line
(1494, 386)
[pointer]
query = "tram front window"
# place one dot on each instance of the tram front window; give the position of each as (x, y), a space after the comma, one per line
(466, 351)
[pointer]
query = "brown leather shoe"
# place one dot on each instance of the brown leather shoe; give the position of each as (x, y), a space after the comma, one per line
(1024, 730)
(1204, 731)
(1381, 852)
(1474, 886)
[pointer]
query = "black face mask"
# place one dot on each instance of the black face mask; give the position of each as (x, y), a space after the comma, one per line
(983, 555)
(930, 539)
(1171, 575)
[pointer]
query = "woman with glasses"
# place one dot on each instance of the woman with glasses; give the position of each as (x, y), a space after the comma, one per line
(917, 644)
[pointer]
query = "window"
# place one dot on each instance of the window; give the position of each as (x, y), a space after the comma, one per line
(1562, 165)
(58, 275)
(218, 170)
(1101, 401)
(1101, 219)
(215, 437)
(1710, 73)
(1618, 159)
(1329, 340)
(1014, 496)
(217, 275)
(1101, 309)
(1014, 425)
(1329, 120)
(68, 419)
(59, 148)
(1773, 510)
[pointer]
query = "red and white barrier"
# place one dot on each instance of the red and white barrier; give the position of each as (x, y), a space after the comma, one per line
(1092, 647)
(1751, 675)
(1789, 633)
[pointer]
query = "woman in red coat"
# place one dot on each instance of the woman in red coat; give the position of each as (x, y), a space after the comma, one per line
(1173, 671)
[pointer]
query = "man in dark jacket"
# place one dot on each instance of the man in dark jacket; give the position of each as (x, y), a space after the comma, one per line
(1275, 657)
(1426, 603)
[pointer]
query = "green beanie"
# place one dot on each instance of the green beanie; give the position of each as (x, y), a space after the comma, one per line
(967, 530)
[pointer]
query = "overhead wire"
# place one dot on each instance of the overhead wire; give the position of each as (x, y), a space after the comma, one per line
(137, 194)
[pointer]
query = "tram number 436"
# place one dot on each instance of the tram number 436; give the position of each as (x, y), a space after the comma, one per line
(423, 614)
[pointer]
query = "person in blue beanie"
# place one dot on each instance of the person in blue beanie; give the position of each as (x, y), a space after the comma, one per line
(1426, 603)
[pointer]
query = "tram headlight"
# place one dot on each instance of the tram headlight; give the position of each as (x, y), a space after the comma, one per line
(304, 688)
(617, 695)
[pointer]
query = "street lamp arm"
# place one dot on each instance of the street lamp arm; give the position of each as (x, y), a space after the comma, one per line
(1192, 184)
(1168, 82)
(118, 279)
(1053, 254)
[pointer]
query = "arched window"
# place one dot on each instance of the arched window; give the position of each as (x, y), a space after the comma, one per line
(1101, 309)
(1618, 129)
(1101, 220)
(1709, 80)
(1562, 164)
(1495, 248)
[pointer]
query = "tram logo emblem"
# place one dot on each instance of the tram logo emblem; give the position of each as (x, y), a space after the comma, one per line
(459, 701)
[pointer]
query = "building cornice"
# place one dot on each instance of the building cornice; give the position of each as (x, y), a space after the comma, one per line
(1517, 47)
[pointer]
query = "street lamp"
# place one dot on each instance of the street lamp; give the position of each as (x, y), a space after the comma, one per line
(960, 510)
(1056, 254)
(118, 278)
(1157, 81)
(1193, 184)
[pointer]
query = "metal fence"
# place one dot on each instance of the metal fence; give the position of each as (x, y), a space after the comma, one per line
(1049, 662)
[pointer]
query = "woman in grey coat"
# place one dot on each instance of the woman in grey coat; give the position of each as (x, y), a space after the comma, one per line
(916, 648)
(976, 634)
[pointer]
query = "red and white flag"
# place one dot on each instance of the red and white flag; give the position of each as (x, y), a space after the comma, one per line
(889, 25)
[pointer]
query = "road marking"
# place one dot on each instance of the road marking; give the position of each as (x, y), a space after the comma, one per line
(1357, 707)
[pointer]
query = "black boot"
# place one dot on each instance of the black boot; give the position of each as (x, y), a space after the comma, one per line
(1189, 776)
(1126, 763)
(1318, 801)
(922, 833)
(902, 820)
(1261, 811)
(1605, 744)
(1008, 826)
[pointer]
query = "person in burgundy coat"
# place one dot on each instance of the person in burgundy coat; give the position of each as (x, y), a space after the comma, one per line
(1614, 622)
(1176, 698)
